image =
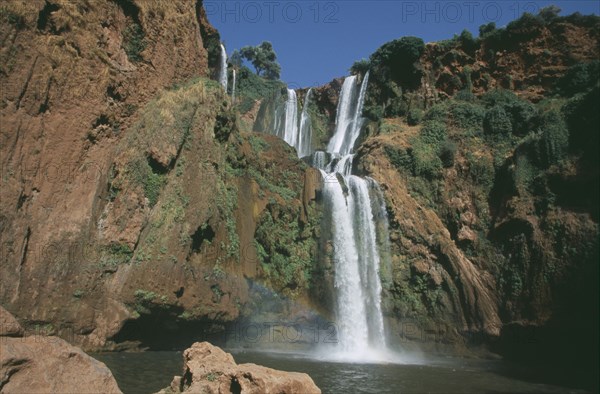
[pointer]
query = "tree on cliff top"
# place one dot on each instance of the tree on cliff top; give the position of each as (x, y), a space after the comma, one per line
(263, 58)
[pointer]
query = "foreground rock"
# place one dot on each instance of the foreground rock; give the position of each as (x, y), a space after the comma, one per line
(208, 369)
(9, 327)
(38, 364)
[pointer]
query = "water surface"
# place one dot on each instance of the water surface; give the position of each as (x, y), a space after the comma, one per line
(148, 372)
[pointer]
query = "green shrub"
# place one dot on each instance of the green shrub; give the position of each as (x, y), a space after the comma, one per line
(397, 107)
(549, 13)
(525, 173)
(465, 95)
(433, 132)
(399, 158)
(438, 112)
(583, 120)
(467, 115)
(360, 67)
(426, 162)
(468, 42)
(496, 97)
(373, 112)
(486, 30)
(414, 117)
(497, 121)
(579, 78)
(481, 170)
(134, 42)
(553, 143)
(397, 60)
(251, 88)
(523, 116)
(447, 153)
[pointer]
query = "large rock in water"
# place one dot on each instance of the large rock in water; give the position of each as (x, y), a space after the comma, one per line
(38, 364)
(208, 369)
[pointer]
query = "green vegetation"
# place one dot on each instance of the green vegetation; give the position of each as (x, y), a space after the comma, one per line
(360, 67)
(263, 58)
(447, 153)
(496, 121)
(134, 42)
(252, 88)
(414, 117)
(145, 301)
(467, 116)
(286, 248)
(114, 255)
(258, 144)
(579, 78)
(433, 132)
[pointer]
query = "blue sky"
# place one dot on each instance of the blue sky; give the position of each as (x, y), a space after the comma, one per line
(316, 41)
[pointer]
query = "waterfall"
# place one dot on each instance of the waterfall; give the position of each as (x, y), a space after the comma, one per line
(356, 239)
(291, 118)
(233, 88)
(304, 145)
(293, 130)
(223, 68)
(348, 119)
(357, 208)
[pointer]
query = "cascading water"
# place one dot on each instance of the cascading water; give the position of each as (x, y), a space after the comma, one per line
(356, 249)
(304, 145)
(348, 120)
(357, 233)
(290, 134)
(223, 68)
(233, 87)
(293, 130)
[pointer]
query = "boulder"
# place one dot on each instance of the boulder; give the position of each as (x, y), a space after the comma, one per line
(38, 364)
(208, 369)
(9, 327)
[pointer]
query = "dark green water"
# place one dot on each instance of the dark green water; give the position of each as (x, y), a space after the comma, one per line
(150, 371)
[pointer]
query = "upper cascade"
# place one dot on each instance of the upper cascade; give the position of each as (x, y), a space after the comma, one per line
(294, 130)
(291, 118)
(304, 145)
(223, 68)
(349, 120)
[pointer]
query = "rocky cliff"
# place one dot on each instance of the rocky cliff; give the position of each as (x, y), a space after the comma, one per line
(478, 148)
(129, 196)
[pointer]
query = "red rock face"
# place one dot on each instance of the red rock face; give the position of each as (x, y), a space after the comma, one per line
(530, 66)
(69, 91)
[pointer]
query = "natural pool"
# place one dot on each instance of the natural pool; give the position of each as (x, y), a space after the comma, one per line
(148, 372)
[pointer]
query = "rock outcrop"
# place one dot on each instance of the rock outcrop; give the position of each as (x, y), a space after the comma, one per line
(9, 326)
(38, 364)
(208, 369)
